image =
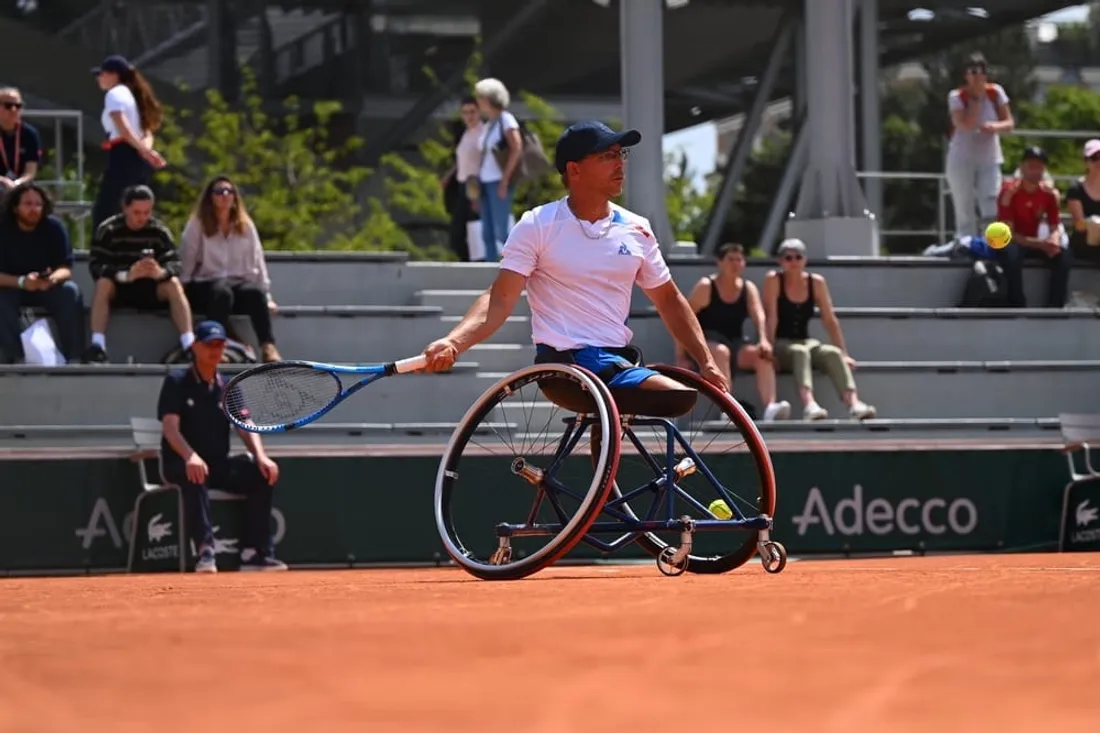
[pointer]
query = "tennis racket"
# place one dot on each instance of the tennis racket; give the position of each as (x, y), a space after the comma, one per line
(281, 396)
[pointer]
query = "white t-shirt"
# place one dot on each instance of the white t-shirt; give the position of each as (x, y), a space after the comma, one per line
(974, 146)
(121, 99)
(490, 138)
(468, 153)
(579, 288)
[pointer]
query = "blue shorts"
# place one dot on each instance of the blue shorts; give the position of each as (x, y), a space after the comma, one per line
(614, 370)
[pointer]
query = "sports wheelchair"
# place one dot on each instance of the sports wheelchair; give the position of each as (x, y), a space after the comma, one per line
(550, 447)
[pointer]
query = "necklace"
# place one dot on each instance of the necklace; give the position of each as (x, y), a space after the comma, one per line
(584, 229)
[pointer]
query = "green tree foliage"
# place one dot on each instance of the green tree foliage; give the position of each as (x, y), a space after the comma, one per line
(1064, 108)
(687, 205)
(300, 184)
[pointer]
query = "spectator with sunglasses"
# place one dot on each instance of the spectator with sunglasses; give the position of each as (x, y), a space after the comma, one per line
(979, 113)
(1031, 207)
(20, 145)
(224, 270)
(790, 299)
(1083, 202)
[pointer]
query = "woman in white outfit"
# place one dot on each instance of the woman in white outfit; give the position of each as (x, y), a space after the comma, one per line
(979, 115)
(461, 187)
(501, 146)
(131, 114)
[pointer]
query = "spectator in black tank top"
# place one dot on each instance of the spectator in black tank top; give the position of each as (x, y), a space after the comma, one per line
(722, 302)
(790, 297)
(1083, 202)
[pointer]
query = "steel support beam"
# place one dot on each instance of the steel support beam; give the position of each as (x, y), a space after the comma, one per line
(426, 105)
(641, 34)
(781, 204)
(870, 110)
(742, 147)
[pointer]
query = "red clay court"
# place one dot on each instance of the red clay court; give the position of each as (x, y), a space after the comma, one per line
(963, 643)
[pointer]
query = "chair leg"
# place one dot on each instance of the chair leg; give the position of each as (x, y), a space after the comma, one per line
(1065, 511)
(133, 531)
(182, 530)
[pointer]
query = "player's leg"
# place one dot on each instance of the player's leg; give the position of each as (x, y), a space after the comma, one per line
(749, 359)
(241, 475)
(197, 514)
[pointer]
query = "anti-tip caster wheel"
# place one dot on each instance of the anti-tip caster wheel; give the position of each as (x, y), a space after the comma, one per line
(773, 556)
(667, 565)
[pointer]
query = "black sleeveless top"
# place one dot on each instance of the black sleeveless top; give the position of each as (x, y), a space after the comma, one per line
(794, 318)
(722, 317)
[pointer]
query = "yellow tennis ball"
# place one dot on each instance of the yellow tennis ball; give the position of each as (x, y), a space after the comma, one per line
(998, 235)
(720, 509)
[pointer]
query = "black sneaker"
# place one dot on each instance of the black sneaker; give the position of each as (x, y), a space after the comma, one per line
(95, 355)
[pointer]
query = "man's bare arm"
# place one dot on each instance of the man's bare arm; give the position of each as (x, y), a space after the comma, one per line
(489, 311)
(680, 320)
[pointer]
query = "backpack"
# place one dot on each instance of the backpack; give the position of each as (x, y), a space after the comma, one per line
(985, 286)
(964, 95)
(533, 161)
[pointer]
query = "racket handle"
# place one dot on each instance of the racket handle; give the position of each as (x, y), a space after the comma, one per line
(411, 364)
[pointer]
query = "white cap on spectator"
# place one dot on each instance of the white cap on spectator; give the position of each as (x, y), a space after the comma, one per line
(1092, 147)
(792, 245)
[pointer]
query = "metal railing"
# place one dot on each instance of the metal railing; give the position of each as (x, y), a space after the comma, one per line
(68, 193)
(941, 232)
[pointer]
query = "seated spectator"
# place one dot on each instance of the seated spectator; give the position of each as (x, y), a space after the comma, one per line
(36, 269)
(790, 297)
(223, 267)
(722, 302)
(1083, 202)
(20, 145)
(195, 455)
(979, 113)
(1023, 204)
(134, 264)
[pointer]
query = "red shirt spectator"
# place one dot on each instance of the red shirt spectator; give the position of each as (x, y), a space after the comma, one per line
(1022, 204)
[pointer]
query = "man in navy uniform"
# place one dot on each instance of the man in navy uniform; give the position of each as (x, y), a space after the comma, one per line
(195, 447)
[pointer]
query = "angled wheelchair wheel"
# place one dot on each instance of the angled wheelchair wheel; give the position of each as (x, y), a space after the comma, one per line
(527, 471)
(725, 439)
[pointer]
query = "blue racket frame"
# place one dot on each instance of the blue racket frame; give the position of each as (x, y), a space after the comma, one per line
(371, 373)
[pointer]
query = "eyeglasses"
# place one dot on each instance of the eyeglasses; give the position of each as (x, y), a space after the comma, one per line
(223, 191)
(1093, 158)
(12, 105)
(612, 155)
(975, 70)
(792, 257)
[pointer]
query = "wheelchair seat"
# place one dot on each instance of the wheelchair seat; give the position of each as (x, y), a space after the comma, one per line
(667, 403)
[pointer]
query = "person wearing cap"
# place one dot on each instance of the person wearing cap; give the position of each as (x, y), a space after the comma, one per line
(500, 146)
(1032, 209)
(579, 258)
(1083, 202)
(195, 456)
(131, 115)
(134, 264)
(791, 297)
(979, 113)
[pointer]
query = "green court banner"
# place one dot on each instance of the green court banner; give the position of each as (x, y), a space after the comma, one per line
(1081, 529)
(77, 515)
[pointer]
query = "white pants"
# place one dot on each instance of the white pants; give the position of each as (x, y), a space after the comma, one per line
(974, 189)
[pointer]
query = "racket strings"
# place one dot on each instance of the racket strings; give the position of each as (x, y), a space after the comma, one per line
(281, 396)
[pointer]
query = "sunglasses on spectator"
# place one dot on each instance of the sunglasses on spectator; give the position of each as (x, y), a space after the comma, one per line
(12, 105)
(1093, 158)
(975, 70)
(223, 191)
(792, 257)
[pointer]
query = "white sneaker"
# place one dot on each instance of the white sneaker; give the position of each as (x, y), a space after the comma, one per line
(777, 411)
(814, 411)
(206, 562)
(862, 411)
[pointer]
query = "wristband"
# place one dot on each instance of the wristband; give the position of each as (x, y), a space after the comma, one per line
(22, 280)
(122, 276)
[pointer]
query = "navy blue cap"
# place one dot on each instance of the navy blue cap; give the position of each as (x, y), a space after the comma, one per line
(115, 63)
(208, 331)
(582, 139)
(1034, 152)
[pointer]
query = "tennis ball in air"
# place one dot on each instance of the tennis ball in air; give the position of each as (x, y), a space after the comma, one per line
(720, 509)
(998, 235)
